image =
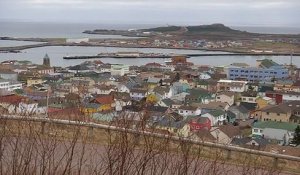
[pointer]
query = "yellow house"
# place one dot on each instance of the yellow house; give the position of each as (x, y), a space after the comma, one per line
(279, 113)
(100, 104)
(105, 107)
(261, 103)
(31, 82)
(92, 108)
(151, 98)
(182, 131)
(151, 86)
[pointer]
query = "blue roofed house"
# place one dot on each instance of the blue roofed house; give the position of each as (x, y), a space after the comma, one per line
(173, 123)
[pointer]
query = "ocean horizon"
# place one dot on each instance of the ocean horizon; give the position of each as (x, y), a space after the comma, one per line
(74, 30)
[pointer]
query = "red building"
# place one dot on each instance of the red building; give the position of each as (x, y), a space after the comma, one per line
(200, 123)
(276, 96)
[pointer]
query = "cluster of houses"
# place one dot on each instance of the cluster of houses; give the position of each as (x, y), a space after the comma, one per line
(179, 98)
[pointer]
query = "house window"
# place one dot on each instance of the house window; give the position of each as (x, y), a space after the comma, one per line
(268, 113)
(181, 111)
(278, 114)
(255, 130)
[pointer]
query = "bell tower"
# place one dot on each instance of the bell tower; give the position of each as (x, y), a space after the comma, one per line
(46, 60)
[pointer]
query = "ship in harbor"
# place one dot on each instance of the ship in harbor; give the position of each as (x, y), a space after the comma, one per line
(122, 55)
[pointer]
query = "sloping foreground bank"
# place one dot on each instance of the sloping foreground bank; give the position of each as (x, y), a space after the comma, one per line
(48, 146)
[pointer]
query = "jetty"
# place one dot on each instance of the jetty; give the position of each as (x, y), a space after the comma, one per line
(122, 55)
(155, 55)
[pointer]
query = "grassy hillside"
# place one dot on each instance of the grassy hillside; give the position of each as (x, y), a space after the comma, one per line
(163, 29)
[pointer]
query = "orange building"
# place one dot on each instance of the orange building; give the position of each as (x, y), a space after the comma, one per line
(179, 60)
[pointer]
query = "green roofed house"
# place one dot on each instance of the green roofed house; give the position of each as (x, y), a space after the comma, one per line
(198, 96)
(275, 132)
(266, 63)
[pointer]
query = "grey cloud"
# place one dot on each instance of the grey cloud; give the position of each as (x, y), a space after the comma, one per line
(231, 12)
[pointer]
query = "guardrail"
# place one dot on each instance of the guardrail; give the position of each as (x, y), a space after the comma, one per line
(228, 148)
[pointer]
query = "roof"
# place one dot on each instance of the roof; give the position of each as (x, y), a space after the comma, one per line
(189, 108)
(229, 94)
(283, 92)
(154, 64)
(161, 90)
(245, 140)
(199, 120)
(230, 130)
(142, 91)
(282, 108)
(239, 64)
(267, 63)
(297, 83)
(248, 106)
(216, 113)
(104, 99)
(168, 101)
(205, 135)
(231, 115)
(46, 56)
(153, 80)
(276, 125)
(170, 122)
(212, 105)
(199, 92)
(249, 94)
(11, 99)
(7, 71)
(121, 95)
(265, 88)
(157, 109)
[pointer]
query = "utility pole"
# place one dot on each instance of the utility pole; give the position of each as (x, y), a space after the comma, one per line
(47, 101)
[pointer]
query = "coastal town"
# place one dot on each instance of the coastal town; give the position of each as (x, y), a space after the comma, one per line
(256, 107)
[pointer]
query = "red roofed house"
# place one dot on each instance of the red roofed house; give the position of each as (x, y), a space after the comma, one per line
(106, 102)
(200, 123)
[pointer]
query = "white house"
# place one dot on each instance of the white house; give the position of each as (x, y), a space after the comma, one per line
(225, 97)
(232, 85)
(163, 92)
(120, 103)
(189, 111)
(9, 75)
(123, 88)
(27, 109)
(204, 76)
(290, 96)
(138, 94)
(10, 85)
(249, 97)
(77, 40)
(102, 89)
(119, 69)
(278, 132)
(217, 117)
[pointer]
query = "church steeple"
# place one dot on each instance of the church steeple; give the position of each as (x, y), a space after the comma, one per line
(46, 61)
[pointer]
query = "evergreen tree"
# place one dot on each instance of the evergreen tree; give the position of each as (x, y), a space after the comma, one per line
(177, 77)
(296, 139)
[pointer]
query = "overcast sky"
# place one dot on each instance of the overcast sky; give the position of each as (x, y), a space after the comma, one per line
(194, 12)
